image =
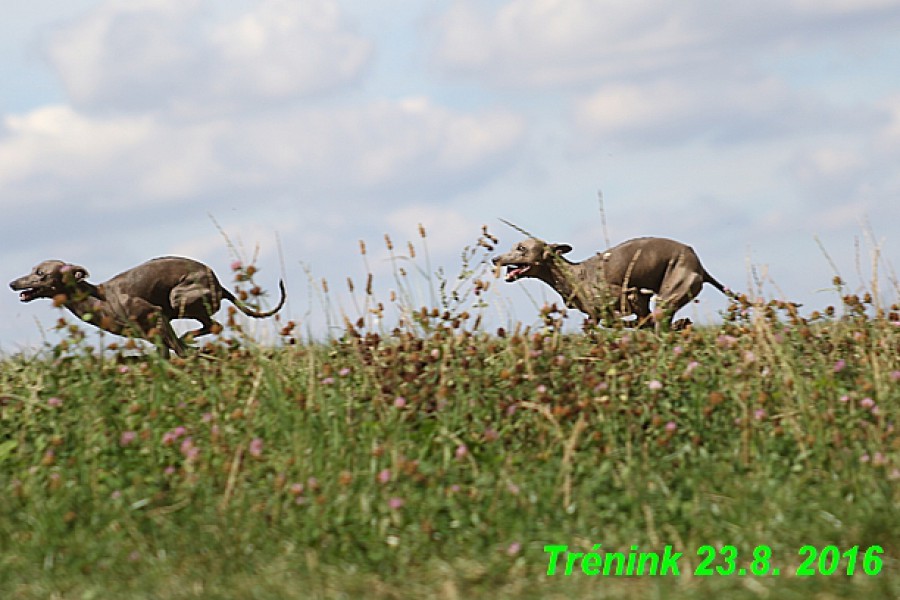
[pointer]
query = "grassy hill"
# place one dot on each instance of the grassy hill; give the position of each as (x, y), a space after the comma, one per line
(439, 460)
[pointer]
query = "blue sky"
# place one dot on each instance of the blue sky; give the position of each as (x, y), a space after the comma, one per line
(128, 129)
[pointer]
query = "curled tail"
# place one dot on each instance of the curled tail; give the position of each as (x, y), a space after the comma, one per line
(255, 313)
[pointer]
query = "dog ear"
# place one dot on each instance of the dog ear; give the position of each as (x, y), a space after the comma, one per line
(78, 273)
(561, 248)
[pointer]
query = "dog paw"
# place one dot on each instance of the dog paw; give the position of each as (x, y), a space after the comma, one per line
(682, 324)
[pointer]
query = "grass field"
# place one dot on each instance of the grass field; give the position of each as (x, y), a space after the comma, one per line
(437, 460)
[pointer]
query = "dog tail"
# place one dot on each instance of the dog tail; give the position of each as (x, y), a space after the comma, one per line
(707, 278)
(255, 313)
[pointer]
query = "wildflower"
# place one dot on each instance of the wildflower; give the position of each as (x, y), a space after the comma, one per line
(123, 369)
(840, 365)
(864, 458)
(188, 449)
(690, 367)
(894, 475)
(313, 483)
(296, 489)
(845, 398)
(206, 417)
(396, 503)
(677, 350)
(513, 489)
(327, 380)
(749, 357)
(54, 402)
(255, 448)
(759, 414)
(867, 402)
(126, 438)
(726, 341)
(455, 488)
(878, 459)
(491, 435)
(895, 375)
(116, 495)
(399, 402)
(541, 389)
(671, 426)
(236, 265)
(655, 385)
(172, 436)
(461, 451)
(344, 372)
(384, 476)
(513, 549)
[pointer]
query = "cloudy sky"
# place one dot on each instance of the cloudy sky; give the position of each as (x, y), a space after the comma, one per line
(131, 128)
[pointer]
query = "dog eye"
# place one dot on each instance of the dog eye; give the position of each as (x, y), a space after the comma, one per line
(39, 273)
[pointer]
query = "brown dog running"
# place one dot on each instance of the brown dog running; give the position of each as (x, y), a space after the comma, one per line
(139, 302)
(618, 282)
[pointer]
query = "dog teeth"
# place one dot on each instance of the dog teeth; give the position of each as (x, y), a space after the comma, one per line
(515, 272)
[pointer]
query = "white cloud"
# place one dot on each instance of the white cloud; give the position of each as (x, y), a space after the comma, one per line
(192, 55)
(56, 154)
(847, 175)
(372, 150)
(566, 42)
(675, 110)
(169, 104)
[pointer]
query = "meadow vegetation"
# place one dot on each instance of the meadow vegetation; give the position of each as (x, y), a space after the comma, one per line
(417, 454)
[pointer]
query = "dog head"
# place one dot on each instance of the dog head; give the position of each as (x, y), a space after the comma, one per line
(529, 258)
(48, 279)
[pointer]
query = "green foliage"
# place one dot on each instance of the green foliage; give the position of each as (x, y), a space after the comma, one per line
(437, 459)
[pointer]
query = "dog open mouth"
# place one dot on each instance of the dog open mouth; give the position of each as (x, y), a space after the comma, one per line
(28, 294)
(514, 272)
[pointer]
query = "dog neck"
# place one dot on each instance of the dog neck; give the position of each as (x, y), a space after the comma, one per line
(88, 302)
(567, 279)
